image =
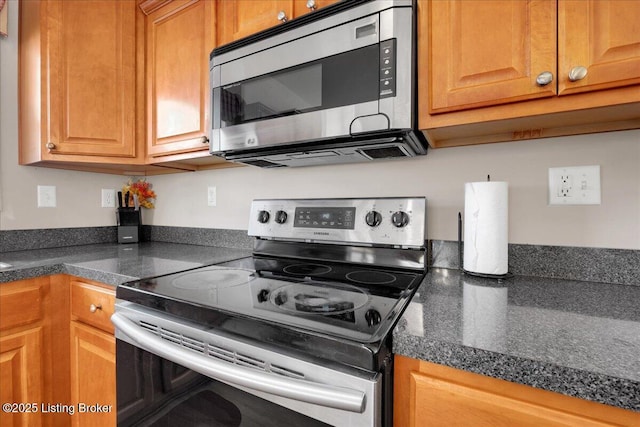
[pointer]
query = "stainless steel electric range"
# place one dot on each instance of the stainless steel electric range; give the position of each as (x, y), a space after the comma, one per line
(297, 334)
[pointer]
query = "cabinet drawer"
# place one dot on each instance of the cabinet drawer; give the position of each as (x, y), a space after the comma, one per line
(21, 302)
(92, 305)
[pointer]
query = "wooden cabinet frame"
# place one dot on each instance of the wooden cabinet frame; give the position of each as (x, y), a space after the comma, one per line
(34, 350)
(432, 395)
(52, 353)
(483, 112)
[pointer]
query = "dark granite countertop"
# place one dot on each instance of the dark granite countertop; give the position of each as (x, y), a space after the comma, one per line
(112, 263)
(573, 337)
(578, 338)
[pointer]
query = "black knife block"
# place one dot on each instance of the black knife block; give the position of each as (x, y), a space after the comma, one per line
(129, 225)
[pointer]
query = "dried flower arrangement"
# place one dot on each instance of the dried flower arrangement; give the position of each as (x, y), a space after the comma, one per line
(142, 190)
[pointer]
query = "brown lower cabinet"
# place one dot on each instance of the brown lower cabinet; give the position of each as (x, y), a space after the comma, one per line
(33, 338)
(431, 395)
(93, 355)
(57, 348)
(57, 353)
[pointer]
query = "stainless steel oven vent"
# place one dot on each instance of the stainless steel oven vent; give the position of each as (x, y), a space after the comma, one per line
(216, 351)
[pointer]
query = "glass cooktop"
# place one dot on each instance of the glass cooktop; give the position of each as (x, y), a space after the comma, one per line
(346, 301)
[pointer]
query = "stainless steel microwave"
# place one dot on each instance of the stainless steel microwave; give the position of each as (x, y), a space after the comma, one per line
(335, 86)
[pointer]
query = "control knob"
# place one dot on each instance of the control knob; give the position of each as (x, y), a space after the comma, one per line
(280, 299)
(281, 217)
(263, 217)
(373, 218)
(400, 219)
(372, 317)
(263, 295)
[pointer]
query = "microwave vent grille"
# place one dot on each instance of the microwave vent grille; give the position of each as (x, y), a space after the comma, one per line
(384, 152)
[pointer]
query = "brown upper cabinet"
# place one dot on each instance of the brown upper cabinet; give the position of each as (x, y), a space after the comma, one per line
(122, 87)
(77, 85)
(82, 85)
(496, 70)
(179, 38)
(241, 18)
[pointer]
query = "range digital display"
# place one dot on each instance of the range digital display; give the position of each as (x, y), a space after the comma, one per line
(336, 218)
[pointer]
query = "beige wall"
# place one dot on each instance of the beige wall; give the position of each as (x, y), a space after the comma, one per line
(440, 176)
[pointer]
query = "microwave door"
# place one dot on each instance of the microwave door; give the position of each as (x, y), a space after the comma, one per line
(311, 100)
(315, 100)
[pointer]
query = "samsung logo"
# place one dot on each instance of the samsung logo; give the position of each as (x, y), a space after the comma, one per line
(321, 233)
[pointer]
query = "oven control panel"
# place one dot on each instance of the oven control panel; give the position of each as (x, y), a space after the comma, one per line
(395, 221)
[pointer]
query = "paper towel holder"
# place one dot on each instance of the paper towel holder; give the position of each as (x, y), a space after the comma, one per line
(499, 277)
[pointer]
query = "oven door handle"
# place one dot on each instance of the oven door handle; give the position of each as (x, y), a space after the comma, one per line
(301, 390)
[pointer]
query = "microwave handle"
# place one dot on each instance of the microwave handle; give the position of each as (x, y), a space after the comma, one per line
(302, 390)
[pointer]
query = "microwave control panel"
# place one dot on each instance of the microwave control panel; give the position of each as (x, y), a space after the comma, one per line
(388, 68)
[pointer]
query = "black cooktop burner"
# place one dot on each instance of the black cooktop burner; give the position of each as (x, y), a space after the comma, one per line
(212, 278)
(318, 298)
(356, 275)
(371, 277)
(307, 269)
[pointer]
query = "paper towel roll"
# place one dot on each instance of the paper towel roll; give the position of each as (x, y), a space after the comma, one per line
(486, 221)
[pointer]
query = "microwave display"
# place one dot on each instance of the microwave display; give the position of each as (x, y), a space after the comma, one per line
(344, 79)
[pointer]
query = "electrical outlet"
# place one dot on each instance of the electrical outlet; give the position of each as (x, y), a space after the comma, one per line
(108, 198)
(211, 196)
(566, 185)
(46, 196)
(575, 185)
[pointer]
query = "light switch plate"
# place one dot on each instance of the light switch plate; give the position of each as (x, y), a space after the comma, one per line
(574, 185)
(211, 196)
(46, 196)
(108, 198)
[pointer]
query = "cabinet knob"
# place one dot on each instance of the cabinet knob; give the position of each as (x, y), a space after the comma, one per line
(205, 140)
(544, 78)
(577, 73)
(50, 146)
(93, 308)
(311, 4)
(282, 16)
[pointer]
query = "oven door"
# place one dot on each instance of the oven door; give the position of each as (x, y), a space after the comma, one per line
(170, 372)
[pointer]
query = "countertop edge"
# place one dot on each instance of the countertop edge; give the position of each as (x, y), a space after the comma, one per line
(107, 278)
(601, 388)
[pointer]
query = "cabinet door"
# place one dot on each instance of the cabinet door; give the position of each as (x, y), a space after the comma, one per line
(241, 18)
(93, 375)
(430, 395)
(602, 36)
(92, 305)
(90, 69)
(23, 353)
(179, 40)
(21, 377)
(487, 52)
